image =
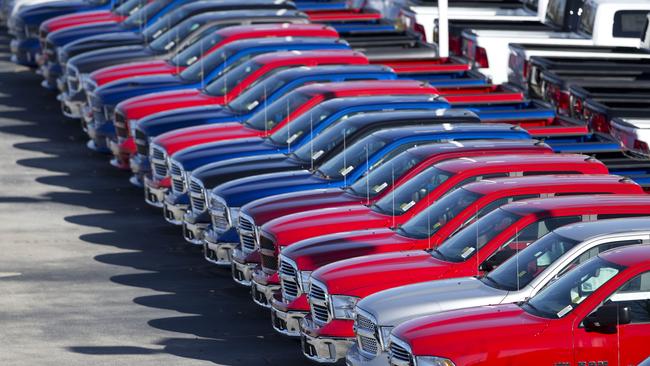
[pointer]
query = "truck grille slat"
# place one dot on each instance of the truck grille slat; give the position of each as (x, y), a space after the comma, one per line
(245, 224)
(248, 243)
(319, 303)
(197, 196)
(399, 354)
(289, 281)
(178, 182)
(121, 128)
(368, 345)
(218, 216)
(158, 161)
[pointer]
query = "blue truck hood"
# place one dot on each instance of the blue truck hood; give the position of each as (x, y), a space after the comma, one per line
(241, 191)
(100, 41)
(64, 36)
(38, 13)
(213, 175)
(162, 122)
(197, 156)
(117, 91)
(94, 60)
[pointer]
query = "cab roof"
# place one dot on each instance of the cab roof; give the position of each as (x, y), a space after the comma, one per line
(544, 205)
(264, 28)
(636, 255)
(585, 230)
(470, 145)
(488, 186)
(397, 133)
(549, 161)
(414, 115)
(299, 57)
(383, 86)
(307, 71)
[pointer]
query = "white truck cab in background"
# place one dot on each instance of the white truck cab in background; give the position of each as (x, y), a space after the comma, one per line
(602, 23)
(421, 16)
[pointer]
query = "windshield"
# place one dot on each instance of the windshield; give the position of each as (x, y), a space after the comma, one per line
(339, 166)
(410, 193)
(143, 15)
(258, 94)
(277, 111)
(429, 221)
(385, 176)
(555, 12)
(570, 290)
(230, 79)
(471, 239)
(222, 56)
(518, 272)
(129, 7)
(324, 143)
(194, 52)
(172, 37)
(301, 126)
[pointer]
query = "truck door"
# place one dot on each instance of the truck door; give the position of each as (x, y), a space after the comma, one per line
(629, 345)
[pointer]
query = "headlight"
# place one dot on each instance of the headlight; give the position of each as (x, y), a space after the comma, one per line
(433, 361)
(343, 306)
(304, 281)
(384, 337)
(234, 215)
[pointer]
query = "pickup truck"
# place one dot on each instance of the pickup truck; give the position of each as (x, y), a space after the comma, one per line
(376, 148)
(579, 91)
(119, 12)
(272, 54)
(429, 230)
(24, 25)
(633, 134)
(598, 113)
(602, 23)
(515, 280)
(422, 15)
(527, 63)
(597, 313)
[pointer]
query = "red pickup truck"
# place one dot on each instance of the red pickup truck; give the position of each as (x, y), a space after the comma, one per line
(427, 230)
(208, 45)
(492, 239)
(597, 314)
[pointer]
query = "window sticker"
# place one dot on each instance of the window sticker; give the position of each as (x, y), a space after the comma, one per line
(380, 187)
(406, 206)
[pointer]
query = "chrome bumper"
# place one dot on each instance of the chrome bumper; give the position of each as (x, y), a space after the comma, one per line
(242, 273)
(174, 213)
(70, 108)
(287, 324)
(355, 358)
(323, 350)
(154, 196)
(193, 232)
(262, 294)
(216, 252)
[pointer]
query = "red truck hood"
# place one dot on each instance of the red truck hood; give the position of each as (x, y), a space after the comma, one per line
(300, 226)
(269, 208)
(176, 140)
(144, 68)
(501, 328)
(367, 275)
(71, 20)
(314, 253)
(142, 106)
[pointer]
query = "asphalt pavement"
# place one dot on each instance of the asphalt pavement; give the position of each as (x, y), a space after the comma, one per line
(89, 275)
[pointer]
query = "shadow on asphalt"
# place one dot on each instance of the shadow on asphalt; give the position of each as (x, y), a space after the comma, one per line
(219, 321)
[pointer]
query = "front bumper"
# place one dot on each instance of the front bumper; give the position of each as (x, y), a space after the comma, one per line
(264, 287)
(194, 227)
(286, 317)
(174, 209)
(243, 266)
(216, 252)
(70, 107)
(320, 347)
(356, 358)
(154, 194)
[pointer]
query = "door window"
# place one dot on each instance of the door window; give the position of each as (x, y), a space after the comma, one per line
(635, 294)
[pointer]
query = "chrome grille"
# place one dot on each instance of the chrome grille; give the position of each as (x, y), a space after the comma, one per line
(288, 281)
(247, 234)
(219, 216)
(158, 161)
(246, 224)
(399, 355)
(197, 196)
(366, 324)
(318, 302)
(247, 243)
(178, 180)
(367, 333)
(121, 127)
(74, 84)
(368, 345)
(141, 143)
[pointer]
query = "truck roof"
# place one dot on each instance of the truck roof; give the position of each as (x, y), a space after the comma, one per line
(483, 145)
(636, 255)
(514, 161)
(585, 230)
(294, 73)
(378, 86)
(490, 186)
(605, 202)
(272, 27)
(444, 115)
(413, 131)
(299, 57)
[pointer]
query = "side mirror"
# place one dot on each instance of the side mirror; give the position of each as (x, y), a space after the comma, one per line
(486, 267)
(607, 318)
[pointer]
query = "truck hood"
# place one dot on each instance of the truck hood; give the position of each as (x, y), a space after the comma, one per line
(290, 229)
(37, 13)
(131, 69)
(244, 190)
(177, 140)
(269, 208)
(397, 305)
(117, 91)
(199, 155)
(363, 276)
(317, 252)
(66, 35)
(79, 18)
(496, 327)
(212, 175)
(100, 42)
(144, 105)
(90, 61)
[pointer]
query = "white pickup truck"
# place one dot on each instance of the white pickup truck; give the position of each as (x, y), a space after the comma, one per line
(421, 15)
(633, 134)
(602, 23)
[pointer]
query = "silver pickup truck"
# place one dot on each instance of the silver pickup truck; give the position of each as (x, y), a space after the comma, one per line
(515, 280)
